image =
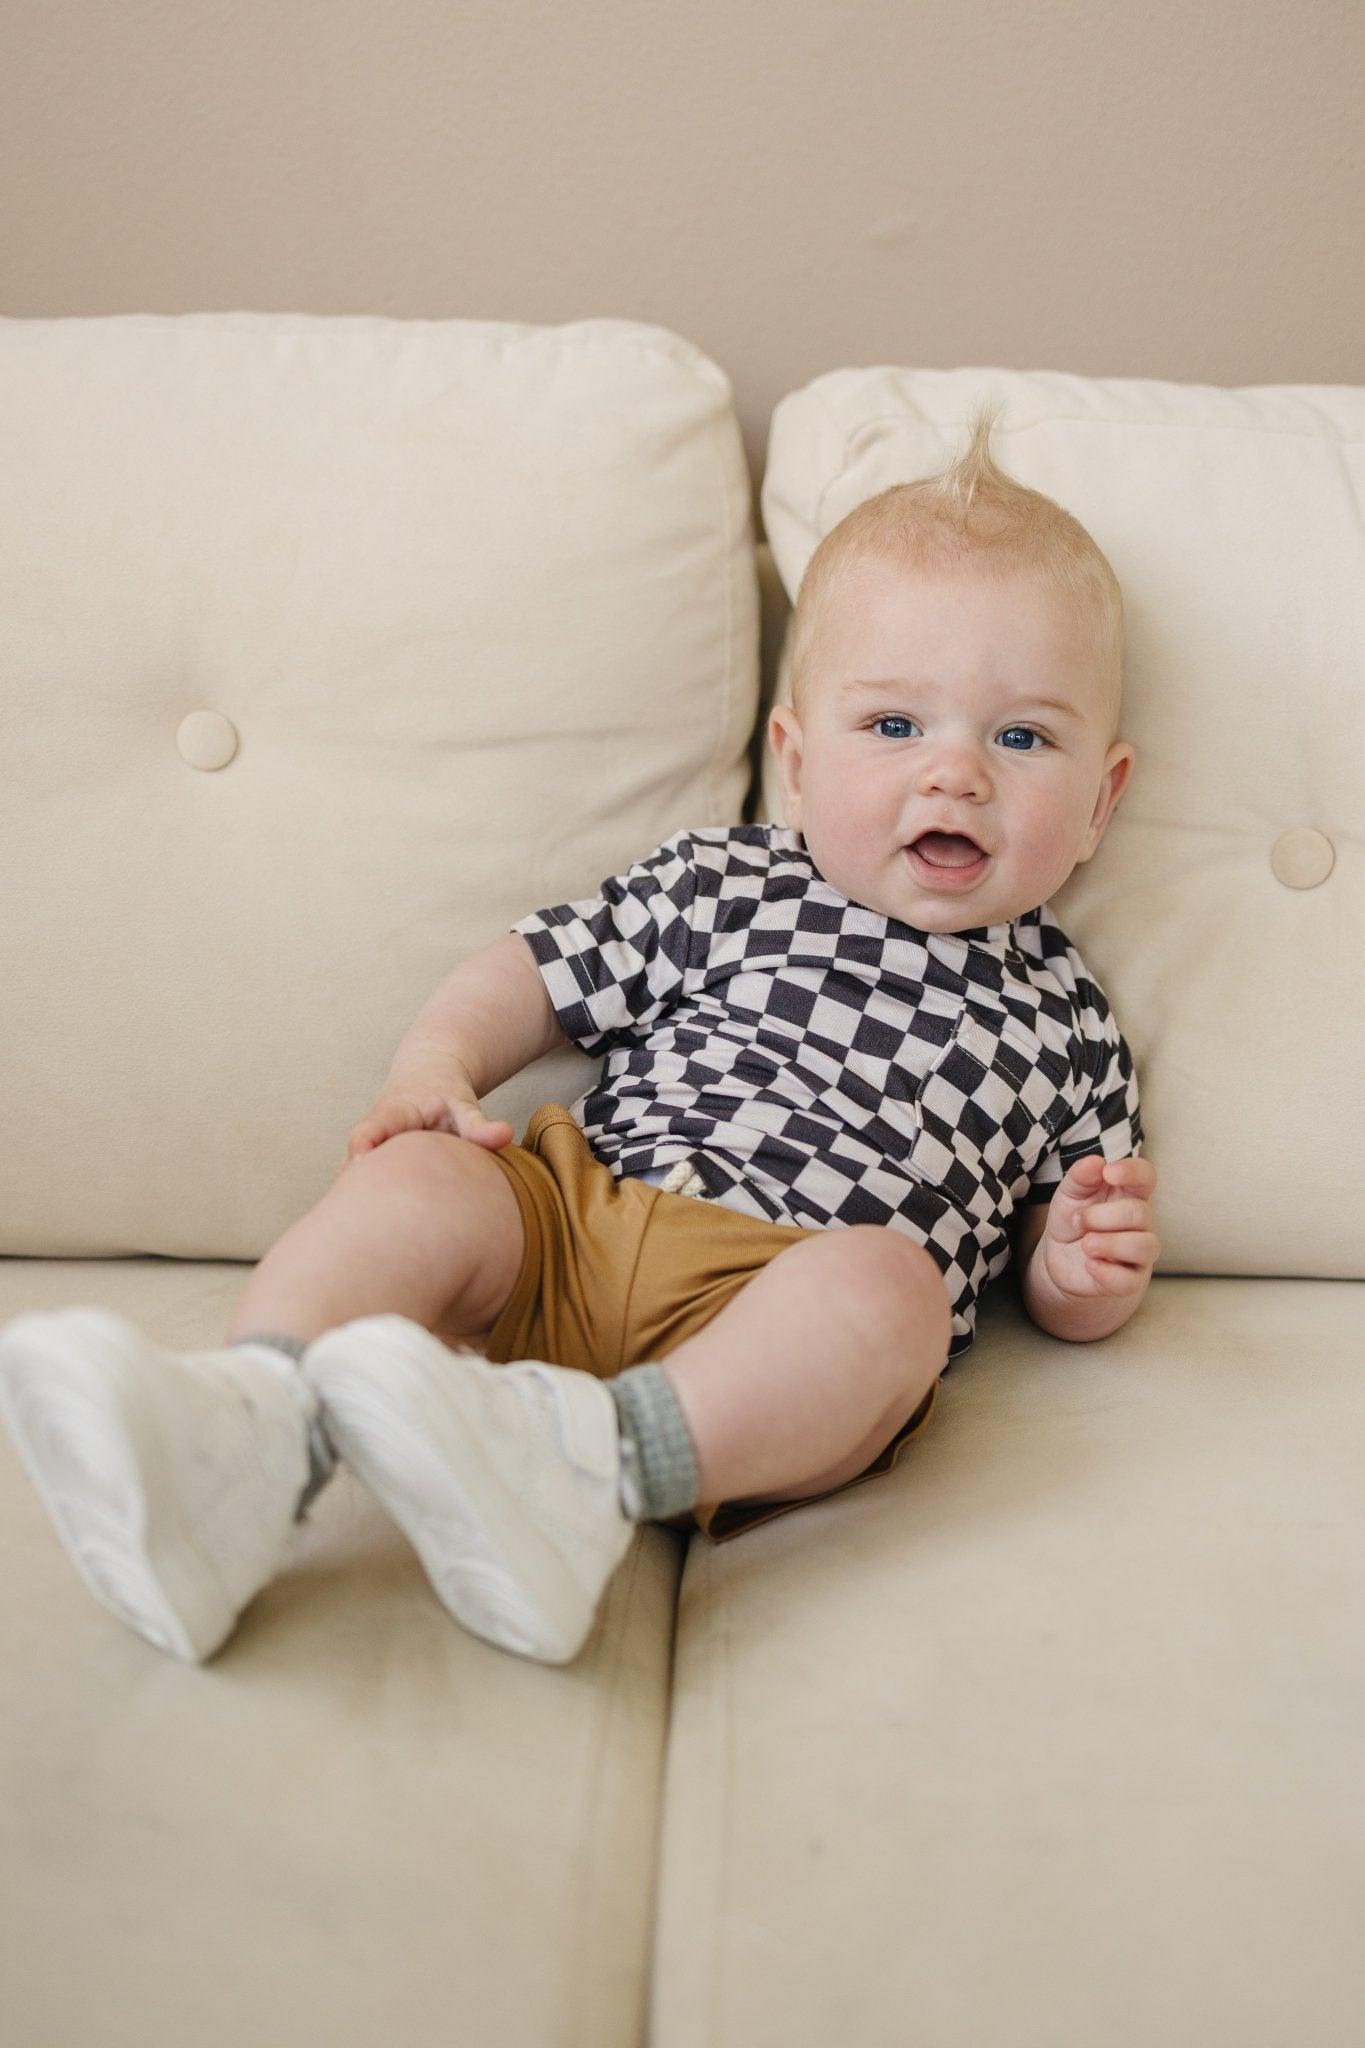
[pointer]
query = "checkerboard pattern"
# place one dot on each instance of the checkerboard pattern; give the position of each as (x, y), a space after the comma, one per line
(817, 1062)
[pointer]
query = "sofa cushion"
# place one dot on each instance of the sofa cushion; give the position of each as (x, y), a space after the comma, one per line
(1224, 911)
(357, 1822)
(1050, 1734)
(328, 647)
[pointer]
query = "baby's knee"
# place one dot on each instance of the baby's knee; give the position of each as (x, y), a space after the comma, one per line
(895, 1279)
(430, 1162)
(430, 1166)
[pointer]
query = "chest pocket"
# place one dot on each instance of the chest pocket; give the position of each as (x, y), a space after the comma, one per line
(988, 1108)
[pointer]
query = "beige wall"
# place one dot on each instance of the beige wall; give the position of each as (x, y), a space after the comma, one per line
(1150, 188)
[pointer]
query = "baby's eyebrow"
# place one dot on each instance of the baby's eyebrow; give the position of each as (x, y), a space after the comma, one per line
(865, 686)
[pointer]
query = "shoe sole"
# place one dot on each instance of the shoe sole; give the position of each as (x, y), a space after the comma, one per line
(81, 1411)
(444, 1496)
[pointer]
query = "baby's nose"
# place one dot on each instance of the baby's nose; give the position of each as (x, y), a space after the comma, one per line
(955, 770)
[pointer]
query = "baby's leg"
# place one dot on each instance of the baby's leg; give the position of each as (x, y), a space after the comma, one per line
(424, 1226)
(173, 1478)
(814, 1365)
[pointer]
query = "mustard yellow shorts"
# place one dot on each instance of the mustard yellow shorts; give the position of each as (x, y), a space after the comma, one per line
(618, 1272)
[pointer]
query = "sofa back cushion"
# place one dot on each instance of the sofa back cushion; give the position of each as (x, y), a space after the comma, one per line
(1224, 910)
(329, 646)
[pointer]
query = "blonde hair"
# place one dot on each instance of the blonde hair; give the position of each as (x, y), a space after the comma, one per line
(969, 516)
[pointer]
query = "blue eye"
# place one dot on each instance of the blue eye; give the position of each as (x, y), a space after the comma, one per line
(897, 718)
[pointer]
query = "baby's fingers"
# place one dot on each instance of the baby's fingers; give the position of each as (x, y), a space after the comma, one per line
(470, 1122)
(397, 1114)
(1122, 1247)
(1117, 1215)
(1136, 1176)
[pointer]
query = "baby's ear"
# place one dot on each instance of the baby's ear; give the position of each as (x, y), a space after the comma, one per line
(783, 724)
(785, 739)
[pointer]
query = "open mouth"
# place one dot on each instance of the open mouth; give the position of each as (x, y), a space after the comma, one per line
(947, 859)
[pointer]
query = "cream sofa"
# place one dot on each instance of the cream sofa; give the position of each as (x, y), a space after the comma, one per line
(330, 646)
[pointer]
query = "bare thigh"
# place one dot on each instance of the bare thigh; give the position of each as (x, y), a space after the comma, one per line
(462, 1208)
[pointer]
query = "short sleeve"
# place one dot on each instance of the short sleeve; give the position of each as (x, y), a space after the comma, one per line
(1110, 1121)
(614, 961)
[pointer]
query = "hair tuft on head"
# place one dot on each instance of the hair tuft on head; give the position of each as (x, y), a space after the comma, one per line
(975, 474)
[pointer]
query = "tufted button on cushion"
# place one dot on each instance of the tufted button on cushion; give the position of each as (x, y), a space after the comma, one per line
(1302, 857)
(206, 739)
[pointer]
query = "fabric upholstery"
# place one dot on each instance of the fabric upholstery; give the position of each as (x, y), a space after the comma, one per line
(1052, 1735)
(330, 645)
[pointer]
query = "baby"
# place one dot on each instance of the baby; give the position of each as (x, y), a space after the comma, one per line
(850, 1066)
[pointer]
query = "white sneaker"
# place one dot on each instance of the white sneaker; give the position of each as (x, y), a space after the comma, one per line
(173, 1477)
(504, 1478)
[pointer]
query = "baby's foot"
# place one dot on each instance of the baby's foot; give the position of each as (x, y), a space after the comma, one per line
(504, 1478)
(173, 1478)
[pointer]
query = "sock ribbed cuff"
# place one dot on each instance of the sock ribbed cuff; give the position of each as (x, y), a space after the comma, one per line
(322, 1457)
(659, 1472)
(278, 1340)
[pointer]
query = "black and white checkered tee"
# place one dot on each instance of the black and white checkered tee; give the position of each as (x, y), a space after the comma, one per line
(820, 1063)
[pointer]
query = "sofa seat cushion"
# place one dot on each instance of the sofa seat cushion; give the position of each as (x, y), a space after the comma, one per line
(356, 1822)
(1051, 1734)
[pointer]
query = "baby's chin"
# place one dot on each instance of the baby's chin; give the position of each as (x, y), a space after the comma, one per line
(995, 899)
(942, 919)
(973, 910)
(933, 920)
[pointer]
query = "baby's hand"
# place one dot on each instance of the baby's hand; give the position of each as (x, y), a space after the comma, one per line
(1099, 1237)
(426, 1103)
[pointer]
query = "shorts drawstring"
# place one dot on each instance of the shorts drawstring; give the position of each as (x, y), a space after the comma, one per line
(682, 1179)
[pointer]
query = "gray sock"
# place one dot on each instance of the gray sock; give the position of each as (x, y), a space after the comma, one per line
(659, 1475)
(322, 1457)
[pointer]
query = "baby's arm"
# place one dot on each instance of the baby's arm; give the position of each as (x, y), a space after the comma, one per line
(488, 1019)
(606, 964)
(492, 1016)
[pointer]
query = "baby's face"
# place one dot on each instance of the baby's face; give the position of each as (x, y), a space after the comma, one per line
(928, 709)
